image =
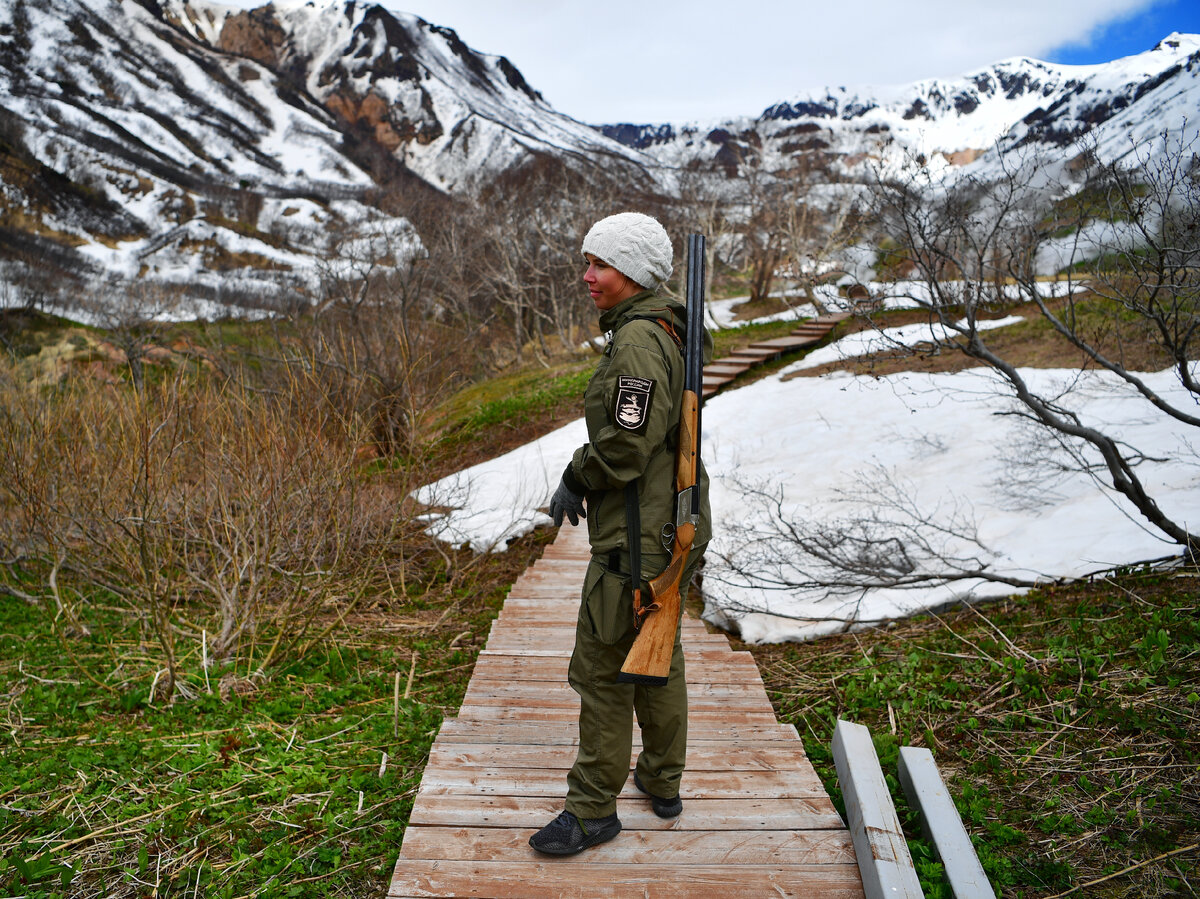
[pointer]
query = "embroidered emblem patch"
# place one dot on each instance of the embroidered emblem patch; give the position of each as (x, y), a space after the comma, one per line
(632, 408)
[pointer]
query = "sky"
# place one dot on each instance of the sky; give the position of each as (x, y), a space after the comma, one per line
(674, 61)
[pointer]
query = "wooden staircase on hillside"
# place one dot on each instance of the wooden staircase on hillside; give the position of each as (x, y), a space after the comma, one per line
(722, 371)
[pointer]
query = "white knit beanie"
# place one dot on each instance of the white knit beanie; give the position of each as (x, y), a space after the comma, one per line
(634, 244)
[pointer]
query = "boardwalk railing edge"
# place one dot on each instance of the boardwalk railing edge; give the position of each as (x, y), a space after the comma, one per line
(941, 824)
(883, 858)
(884, 861)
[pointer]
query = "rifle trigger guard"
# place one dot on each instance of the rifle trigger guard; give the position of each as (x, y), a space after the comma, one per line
(668, 536)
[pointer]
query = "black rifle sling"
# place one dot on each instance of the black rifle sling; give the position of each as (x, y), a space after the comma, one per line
(633, 533)
(633, 524)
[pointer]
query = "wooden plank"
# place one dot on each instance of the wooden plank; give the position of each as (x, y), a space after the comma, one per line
(568, 716)
(583, 878)
(796, 813)
(526, 618)
(480, 704)
(700, 657)
(883, 857)
(784, 344)
(549, 695)
(731, 670)
(790, 784)
(752, 352)
(645, 847)
(528, 614)
(702, 662)
(699, 704)
(554, 615)
(536, 635)
(700, 654)
(555, 598)
(702, 755)
(462, 730)
(942, 825)
(732, 369)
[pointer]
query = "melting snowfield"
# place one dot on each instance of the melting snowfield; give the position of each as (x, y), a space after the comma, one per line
(821, 453)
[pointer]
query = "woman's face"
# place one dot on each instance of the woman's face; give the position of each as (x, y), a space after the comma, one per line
(606, 285)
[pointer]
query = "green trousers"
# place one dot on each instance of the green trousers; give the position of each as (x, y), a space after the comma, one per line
(603, 635)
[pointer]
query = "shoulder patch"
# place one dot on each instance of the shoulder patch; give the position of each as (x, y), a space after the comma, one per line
(631, 407)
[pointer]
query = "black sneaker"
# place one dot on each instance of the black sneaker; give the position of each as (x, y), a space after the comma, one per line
(664, 808)
(566, 834)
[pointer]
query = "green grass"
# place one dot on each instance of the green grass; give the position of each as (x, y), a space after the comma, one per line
(1066, 724)
(514, 402)
(269, 788)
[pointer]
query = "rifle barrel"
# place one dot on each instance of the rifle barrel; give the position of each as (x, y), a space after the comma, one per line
(694, 376)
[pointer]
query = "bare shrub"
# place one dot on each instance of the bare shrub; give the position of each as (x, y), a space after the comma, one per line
(1127, 230)
(885, 538)
(235, 524)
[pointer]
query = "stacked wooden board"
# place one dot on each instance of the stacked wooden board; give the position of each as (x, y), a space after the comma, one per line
(756, 819)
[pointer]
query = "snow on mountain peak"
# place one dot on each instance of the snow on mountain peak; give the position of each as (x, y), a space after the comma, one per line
(967, 119)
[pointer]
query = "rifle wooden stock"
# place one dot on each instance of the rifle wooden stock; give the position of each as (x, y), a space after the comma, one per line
(649, 659)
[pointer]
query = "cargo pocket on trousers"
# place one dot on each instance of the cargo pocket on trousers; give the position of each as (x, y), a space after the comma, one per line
(608, 604)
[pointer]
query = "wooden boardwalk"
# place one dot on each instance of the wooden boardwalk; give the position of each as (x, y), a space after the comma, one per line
(756, 819)
(808, 334)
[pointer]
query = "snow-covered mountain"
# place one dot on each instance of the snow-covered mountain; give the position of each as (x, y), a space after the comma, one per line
(1018, 102)
(199, 144)
(449, 114)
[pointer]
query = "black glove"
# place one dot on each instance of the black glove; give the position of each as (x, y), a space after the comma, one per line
(566, 501)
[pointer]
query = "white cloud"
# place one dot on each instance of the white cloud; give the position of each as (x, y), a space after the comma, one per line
(629, 60)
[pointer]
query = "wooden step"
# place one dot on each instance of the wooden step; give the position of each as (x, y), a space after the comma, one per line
(784, 344)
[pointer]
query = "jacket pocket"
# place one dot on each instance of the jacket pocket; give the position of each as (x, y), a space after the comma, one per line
(607, 605)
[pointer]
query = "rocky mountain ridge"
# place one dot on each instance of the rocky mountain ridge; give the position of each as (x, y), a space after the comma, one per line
(190, 143)
(446, 113)
(1016, 102)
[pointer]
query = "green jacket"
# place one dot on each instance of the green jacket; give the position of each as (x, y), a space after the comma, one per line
(632, 405)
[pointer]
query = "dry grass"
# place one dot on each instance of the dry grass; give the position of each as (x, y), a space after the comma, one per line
(1030, 344)
(226, 517)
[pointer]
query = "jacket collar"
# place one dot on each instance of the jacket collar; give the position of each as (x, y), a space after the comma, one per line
(646, 303)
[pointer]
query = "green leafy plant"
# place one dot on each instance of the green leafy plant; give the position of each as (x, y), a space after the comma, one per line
(1061, 721)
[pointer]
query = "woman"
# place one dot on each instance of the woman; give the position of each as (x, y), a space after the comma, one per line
(625, 476)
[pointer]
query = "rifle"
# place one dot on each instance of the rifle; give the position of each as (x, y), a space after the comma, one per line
(649, 659)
